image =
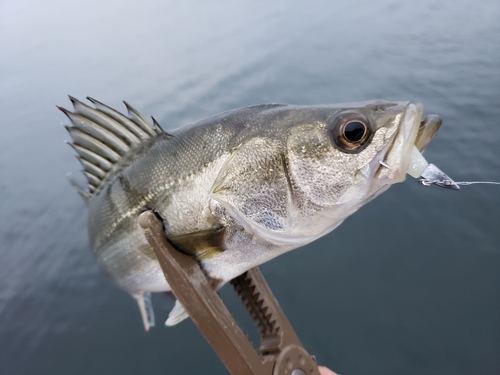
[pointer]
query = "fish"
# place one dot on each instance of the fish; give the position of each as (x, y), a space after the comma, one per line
(236, 189)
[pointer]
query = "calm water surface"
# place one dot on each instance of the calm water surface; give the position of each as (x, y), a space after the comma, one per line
(408, 285)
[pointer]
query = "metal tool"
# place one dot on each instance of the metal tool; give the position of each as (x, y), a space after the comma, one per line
(280, 352)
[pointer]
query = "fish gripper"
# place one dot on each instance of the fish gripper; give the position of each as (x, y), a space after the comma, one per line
(280, 352)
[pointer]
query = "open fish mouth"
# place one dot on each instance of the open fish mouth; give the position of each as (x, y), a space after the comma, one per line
(415, 134)
(391, 163)
(418, 166)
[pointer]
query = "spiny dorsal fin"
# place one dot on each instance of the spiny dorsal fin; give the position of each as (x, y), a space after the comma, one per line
(101, 136)
(80, 190)
(158, 128)
(136, 117)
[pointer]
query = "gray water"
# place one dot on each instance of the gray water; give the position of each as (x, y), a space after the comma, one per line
(408, 285)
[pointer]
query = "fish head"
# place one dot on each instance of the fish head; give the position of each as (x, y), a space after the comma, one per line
(354, 153)
(326, 163)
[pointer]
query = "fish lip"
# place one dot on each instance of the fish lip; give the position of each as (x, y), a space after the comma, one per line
(411, 123)
(415, 131)
(397, 150)
(429, 126)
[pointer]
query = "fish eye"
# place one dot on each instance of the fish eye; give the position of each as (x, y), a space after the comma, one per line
(350, 131)
(354, 131)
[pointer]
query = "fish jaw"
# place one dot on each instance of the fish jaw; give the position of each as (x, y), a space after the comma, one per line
(391, 164)
(429, 126)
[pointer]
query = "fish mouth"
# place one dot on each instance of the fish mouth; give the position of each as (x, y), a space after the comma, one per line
(414, 133)
(391, 163)
(404, 154)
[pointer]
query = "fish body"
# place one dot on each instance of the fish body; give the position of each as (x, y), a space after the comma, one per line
(236, 189)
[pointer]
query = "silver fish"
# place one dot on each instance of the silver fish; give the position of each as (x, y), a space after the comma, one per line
(236, 189)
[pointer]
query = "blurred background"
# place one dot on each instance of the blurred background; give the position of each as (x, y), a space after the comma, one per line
(408, 285)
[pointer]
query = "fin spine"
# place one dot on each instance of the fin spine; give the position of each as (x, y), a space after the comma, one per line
(119, 118)
(159, 129)
(93, 180)
(97, 132)
(83, 139)
(106, 122)
(91, 168)
(92, 157)
(102, 137)
(136, 117)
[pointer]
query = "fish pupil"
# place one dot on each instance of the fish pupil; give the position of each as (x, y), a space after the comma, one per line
(354, 131)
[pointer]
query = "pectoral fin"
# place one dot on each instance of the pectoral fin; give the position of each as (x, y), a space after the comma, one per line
(146, 308)
(177, 315)
(202, 245)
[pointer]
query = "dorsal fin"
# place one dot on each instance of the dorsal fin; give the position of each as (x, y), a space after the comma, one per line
(101, 136)
(136, 117)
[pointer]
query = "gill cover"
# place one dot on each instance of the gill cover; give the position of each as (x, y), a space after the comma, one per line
(253, 187)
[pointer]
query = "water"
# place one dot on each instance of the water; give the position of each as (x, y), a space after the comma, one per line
(408, 285)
